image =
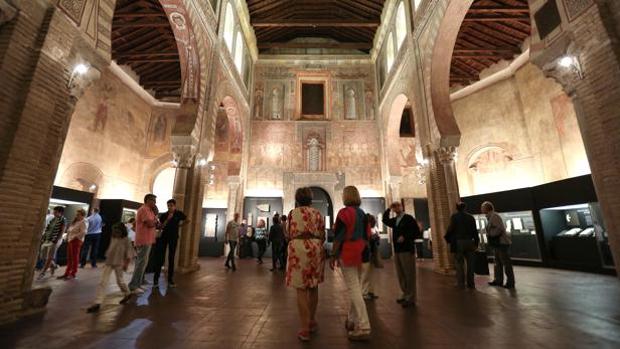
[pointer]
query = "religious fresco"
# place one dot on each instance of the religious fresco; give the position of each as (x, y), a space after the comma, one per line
(116, 130)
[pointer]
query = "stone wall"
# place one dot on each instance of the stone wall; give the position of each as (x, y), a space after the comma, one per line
(113, 137)
(516, 133)
(345, 141)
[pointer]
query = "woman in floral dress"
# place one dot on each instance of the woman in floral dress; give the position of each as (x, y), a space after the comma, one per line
(306, 259)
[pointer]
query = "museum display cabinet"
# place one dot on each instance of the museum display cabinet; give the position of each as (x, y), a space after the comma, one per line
(213, 232)
(557, 224)
(71, 200)
(522, 231)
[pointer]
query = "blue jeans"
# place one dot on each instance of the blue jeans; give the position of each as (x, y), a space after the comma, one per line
(142, 259)
(91, 241)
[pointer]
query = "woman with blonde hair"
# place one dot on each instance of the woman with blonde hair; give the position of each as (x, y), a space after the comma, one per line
(75, 236)
(351, 235)
(306, 259)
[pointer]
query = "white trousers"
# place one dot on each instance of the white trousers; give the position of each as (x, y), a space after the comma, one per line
(368, 285)
(357, 311)
(103, 284)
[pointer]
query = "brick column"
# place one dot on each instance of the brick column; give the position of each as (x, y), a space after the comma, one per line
(37, 48)
(593, 82)
(443, 194)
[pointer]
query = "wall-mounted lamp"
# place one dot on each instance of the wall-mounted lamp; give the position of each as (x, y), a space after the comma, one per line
(571, 64)
(92, 187)
(80, 69)
(202, 162)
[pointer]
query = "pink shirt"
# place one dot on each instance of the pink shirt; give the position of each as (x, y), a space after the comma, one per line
(145, 235)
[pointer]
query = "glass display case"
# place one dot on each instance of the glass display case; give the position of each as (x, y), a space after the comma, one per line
(521, 228)
(576, 234)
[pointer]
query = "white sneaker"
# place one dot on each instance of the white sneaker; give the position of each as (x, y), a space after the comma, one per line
(138, 290)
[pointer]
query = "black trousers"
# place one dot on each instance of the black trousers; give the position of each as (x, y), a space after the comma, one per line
(91, 242)
(163, 243)
(277, 254)
(262, 247)
(465, 252)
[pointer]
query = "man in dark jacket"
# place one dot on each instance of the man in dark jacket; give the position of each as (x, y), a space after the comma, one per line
(405, 230)
(463, 238)
(276, 238)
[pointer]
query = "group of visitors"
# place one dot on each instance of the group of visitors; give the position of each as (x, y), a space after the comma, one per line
(152, 229)
(83, 235)
(298, 246)
(462, 235)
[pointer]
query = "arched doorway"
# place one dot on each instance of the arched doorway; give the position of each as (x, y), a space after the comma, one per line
(163, 187)
(323, 203)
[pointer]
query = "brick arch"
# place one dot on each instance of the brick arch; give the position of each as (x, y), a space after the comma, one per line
(188, 32)
(440, 61)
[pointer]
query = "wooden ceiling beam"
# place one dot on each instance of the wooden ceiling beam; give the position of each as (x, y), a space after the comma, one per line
(140, 24)
(316, 24)
(131, 55)
(491, 9)
(336, 45)
(139, 15)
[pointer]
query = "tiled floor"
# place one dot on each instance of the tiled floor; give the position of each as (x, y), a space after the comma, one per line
(251, 308)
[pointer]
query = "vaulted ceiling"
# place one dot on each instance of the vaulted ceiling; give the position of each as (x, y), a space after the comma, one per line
(352, 23)
(143, 39)
(492, 30)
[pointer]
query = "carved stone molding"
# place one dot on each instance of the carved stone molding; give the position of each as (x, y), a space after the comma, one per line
(447, 154)
(8, 11)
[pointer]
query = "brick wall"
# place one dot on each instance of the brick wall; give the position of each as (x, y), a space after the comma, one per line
(598, 111)
(36, 107)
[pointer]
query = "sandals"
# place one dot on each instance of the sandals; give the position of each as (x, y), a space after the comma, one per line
(303, 335)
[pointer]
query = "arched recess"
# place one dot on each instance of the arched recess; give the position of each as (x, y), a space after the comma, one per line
(395, 153)
(163, 186)
(440, 71)
(322, 201)
(82, 176)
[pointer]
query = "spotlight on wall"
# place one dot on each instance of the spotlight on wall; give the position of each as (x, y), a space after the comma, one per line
(570, 64)
(202, 162)
(93, 187)
(567, 61)
(80, 69)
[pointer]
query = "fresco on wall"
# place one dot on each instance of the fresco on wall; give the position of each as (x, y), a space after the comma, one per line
(109, 129)
(159, 133)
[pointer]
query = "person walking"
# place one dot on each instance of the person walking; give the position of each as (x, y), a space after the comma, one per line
(276, 239)
(171, 221)
(350, 250)
(53, 232)
(119, 254)
(75, 235)
(232, 239)
(261, 240)
(306, 259)
(146, 224)
(405, 230)
(500, 243)
(462, 236)
(92, 239)
(372, 260)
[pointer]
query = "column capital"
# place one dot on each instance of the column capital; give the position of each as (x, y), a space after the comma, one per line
(561, 62)
(447, 154)
(395, 180)
(184, 149)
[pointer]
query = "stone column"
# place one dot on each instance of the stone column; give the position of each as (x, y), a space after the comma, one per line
(184, 194)
(38, 47)
(584, 60)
